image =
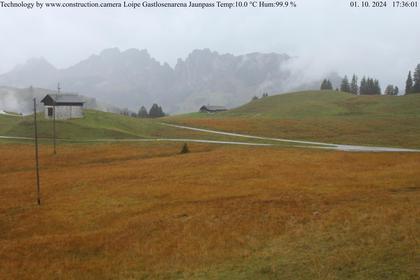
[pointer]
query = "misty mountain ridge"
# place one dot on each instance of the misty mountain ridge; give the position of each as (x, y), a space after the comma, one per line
(133, 78)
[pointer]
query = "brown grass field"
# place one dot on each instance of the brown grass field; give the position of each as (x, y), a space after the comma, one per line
(375, 132)
(143, 211)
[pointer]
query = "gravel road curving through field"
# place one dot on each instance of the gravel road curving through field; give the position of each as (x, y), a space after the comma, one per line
(317, 145)
(143, 140)
(302, 144)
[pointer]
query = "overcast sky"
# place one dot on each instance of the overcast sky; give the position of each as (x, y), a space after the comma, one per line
(326, 35)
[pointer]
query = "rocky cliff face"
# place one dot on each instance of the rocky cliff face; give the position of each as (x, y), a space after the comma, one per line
(133, 78)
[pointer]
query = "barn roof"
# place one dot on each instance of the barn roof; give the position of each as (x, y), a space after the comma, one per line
(63, 99)
(214, 108)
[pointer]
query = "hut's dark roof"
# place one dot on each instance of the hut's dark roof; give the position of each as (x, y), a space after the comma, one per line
(213, 108)
(63, 99)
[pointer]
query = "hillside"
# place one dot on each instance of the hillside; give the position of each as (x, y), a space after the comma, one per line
(98, 125)
(218, 212)
(315, 104)
(328, 116)
(322, 116)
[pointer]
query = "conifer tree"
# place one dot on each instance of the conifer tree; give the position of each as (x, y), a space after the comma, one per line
(329, 85)
(416, 80)
(354, 88)
(369, 86)
(376, 88)
(323, 84)
(156, 111)
(409, 84)
(363, 86)
(326, 85)
(143, 112)
(345, 86)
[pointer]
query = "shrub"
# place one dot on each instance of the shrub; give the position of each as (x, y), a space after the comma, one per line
(185, 149)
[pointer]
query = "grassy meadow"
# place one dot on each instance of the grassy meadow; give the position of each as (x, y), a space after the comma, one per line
(94, 125)
(99, 125)
(326, 116)
(142, 211)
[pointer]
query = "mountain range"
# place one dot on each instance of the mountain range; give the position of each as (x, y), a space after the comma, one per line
(133, 78)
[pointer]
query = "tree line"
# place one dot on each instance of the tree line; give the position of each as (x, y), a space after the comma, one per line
(155, 111)
(371, 86)
(367, 86)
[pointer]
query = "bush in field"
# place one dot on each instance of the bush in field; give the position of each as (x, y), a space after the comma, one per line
(185, 149)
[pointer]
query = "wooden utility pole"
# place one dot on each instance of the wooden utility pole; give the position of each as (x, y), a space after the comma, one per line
(38, 192)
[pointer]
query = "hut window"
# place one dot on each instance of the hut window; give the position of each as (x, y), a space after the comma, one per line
(50, 112)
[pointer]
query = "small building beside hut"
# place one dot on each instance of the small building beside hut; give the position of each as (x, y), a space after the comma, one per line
(212, 109)
(67, 106)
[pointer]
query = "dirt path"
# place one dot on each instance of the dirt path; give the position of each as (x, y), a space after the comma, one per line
(317, 145)
(303, 144)
(144, 140)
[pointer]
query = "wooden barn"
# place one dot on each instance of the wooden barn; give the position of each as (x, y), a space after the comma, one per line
(67, 106)
(212, 109)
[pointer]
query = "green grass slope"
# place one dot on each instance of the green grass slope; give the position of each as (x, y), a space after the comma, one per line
(99, 125)
(322, 116)
(330, 104)
(316, 104)
(8, 122)
(94, 125)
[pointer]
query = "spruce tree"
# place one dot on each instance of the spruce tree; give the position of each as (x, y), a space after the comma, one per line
(160, 112)
(396, 90)
(329, 85)
(416, 80)
(326, 85)
(322, 87)
(143, 112)
(156, 111)
(369, 86)
(345, 86)
(354, 88)
(376, 87)
(409, 84)
(363, 86)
